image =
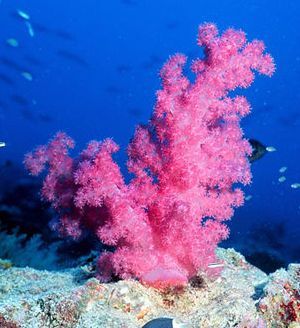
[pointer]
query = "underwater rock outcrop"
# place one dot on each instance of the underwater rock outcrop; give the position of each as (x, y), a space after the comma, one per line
(242, 296)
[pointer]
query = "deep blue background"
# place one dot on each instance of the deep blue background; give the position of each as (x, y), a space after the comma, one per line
(109, 84)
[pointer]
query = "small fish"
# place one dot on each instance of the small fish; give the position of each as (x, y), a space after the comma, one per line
(12, 42)
(23, 14)
(282, 169)
(295, 185)
(248, 197)
(281, 179)
(30, 29)
(2, 144)
(271, 149)
(215, 265)
(27, 76)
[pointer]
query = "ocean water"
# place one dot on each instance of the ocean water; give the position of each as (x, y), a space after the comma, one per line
(90, 68)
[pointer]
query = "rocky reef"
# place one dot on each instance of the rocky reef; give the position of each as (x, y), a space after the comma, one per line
(242, 296)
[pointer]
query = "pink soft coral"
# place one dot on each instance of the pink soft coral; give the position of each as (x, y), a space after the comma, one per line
(166, 222)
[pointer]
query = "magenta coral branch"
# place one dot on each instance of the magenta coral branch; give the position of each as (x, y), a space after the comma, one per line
(166, 223)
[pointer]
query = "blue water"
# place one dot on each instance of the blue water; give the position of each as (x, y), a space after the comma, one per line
(94, 67)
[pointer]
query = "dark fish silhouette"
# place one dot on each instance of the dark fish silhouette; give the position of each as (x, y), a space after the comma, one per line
(258, 152)
(41, 28)
(59, 33)
(20, 100)
(12, 64)
(6, 79)
(7, 163)
(72, 57)
(161, 322)
(45, 118)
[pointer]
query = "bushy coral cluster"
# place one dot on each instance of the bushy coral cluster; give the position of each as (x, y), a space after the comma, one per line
(166, 222)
